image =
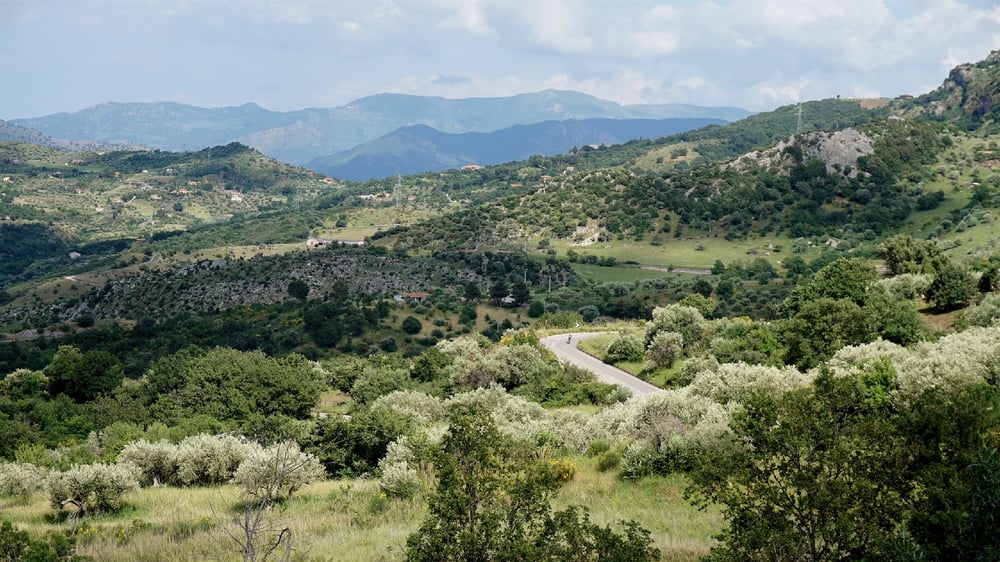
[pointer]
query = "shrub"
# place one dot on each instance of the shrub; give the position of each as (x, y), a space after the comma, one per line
(700, 302)
(20, 481)
(507, 365)
(423, 408)
(536, 309)
(18, 545)
(492, 503)
(207, 459)
(275, 473)
(399, 480)
(986, 313)
(157, 462)
(952, 287)
(685, 320)
(411, 325)
(569, 535)
(625, 347)
(690, 368)
(93, 488)
(735, 382)
(638, 460)
(110, 440)
(907, 286)
(589, 312)
(465, 346)
(352, 447)
(558, 471)
(378, 381)
(598, 447)
(609, 460)
(665, 348)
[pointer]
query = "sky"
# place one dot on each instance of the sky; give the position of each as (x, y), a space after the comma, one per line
(66, 55)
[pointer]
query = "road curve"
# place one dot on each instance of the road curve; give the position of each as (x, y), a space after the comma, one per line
(568, 351)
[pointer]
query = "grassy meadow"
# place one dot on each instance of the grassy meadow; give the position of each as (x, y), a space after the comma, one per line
(352, 520)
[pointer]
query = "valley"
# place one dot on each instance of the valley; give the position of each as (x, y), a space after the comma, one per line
(347, 369)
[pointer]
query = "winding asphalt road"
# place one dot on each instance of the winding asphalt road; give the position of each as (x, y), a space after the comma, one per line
(568, 351)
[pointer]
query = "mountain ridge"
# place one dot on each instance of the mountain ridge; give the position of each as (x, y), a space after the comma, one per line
(419, 148)
(303, 135)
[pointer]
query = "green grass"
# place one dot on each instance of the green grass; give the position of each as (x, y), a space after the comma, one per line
(678, 529)
(350, 520)
(599, 274)
(597, 345)
(696, 253)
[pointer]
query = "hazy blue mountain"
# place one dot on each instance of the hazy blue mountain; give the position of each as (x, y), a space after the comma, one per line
(10, 132)
(162, 125)
(303, 135)
(420, 148)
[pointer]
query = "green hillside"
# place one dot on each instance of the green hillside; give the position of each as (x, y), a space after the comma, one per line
(242, 358)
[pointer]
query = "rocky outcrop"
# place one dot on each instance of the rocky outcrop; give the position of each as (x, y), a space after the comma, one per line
(838, 149)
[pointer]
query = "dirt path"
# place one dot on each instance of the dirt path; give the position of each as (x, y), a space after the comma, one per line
(690, 270)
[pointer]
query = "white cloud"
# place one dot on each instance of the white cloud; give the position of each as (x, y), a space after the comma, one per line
(297, 53)
(654, 43)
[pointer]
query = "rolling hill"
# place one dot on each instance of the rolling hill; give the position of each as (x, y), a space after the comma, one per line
(858, 171)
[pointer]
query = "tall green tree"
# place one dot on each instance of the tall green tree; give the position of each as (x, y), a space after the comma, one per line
(298, 289)
(471, 292)
(521, 292)
(903, 254)
(954, 439)
(821, 327)
(816, 474)
(498, 290)
(83, 376)
(841, 279)
(492, 505)
(231, 385)
(952, 287)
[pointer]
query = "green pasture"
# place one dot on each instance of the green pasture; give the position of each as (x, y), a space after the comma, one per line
(351, 520)
(694, 253)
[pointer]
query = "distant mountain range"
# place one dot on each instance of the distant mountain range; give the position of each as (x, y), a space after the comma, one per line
(10, 132)
(419, 148)
(301, 136)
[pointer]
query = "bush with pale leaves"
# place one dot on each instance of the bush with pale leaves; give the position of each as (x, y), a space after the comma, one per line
(685, 320)
(399, 480)
(951, 363)
(984, 314)
(422, 407)
(211, 459)
(93, 488)
(507, 365)
(734, 382)
(21, 481)
(665, 348)
(907, 286)
(274, 473)
(157, 462)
